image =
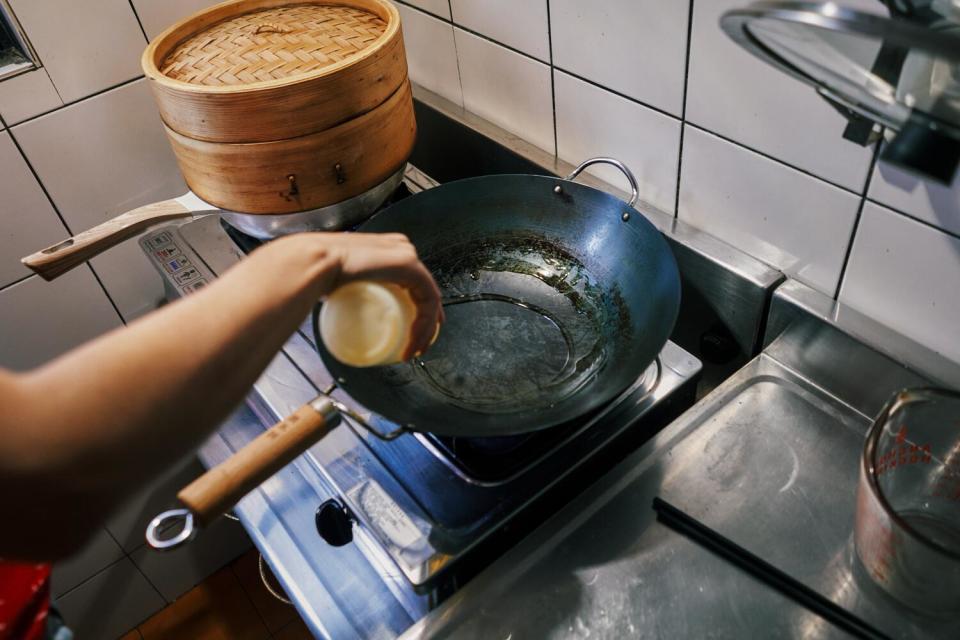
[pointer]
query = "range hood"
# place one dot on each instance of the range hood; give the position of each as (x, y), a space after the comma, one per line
(900, 71)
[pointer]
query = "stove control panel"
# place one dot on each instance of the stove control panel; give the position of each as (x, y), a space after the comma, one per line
(182, 270)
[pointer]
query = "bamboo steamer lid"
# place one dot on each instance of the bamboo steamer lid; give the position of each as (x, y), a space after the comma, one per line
(263, 70)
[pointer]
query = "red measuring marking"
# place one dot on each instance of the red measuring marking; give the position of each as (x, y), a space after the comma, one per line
(903, 455)
(902, 434)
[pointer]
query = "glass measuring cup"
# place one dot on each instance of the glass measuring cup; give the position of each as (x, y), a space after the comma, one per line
(907, 528)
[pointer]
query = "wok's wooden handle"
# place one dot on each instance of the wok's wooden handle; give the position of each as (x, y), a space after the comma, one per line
(215, 492)
(63, 256)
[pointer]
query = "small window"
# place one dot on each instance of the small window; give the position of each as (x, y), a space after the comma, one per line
(16, 56)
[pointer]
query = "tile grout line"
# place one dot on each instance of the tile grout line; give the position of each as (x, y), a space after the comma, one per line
(624, 96)
(36, 176)
(129, 554)
(474, 33)
(63, 221)
(243, 589)
(77, 101)
(456, 55)
(773, 159)
(682, 120)
(90, 577)
(913, 218)
(856, 221)
(549, 63)
(426, 11)
(139, 22)
(55, 90)
(17, 281)
(113, 303)
(143, 573)
(683, 110)
(553, 85)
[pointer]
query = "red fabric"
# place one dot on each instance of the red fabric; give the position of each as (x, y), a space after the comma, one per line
(24, 600)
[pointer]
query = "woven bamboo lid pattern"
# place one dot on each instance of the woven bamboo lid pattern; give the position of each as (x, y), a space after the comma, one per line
(272, 44)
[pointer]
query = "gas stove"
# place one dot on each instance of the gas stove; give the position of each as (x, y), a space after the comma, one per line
(368, 535)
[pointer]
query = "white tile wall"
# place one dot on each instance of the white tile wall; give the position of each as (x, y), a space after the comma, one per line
(635, 47)
(27, 221)
(40, 320)
(593, 122)
(431, 53)
(157, 15)
(110, 603)
(794, 222)
(506, 88)
(734, 94)
(85, 46)
(99, 158)
(765, 167)
(906, 275)
(923, 199)
(521, 24)
(27, 95)
(436, 7)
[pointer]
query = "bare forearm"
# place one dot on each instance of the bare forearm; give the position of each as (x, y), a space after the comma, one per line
(159, 386)
(98, 422)
(84, 431)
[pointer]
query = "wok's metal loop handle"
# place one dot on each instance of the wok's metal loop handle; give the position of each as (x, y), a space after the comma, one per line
(361, 421)
(634, 188)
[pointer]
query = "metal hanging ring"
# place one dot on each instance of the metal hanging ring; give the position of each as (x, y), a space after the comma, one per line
(164, 522)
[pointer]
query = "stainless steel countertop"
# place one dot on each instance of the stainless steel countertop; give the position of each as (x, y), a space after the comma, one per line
(769, 459)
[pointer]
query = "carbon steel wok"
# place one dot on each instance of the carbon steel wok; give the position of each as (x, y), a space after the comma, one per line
(557, 296)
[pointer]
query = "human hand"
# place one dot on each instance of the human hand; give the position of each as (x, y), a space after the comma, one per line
(383, 257)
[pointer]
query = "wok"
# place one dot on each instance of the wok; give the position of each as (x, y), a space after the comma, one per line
(557, 297)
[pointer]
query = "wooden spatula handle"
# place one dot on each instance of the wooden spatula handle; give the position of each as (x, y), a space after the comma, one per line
(215, 492)
(57, 259)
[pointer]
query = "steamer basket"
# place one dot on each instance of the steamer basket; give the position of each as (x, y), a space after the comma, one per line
(299, 174)
(265, 70)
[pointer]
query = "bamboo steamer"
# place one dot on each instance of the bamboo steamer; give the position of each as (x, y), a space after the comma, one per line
(301, 173)
(280, 106)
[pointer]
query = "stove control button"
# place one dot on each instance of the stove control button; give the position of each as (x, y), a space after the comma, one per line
(186, 275)
(160, 240)
(176, 264)
(164, 253)
(195, 286)
(334, 523)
